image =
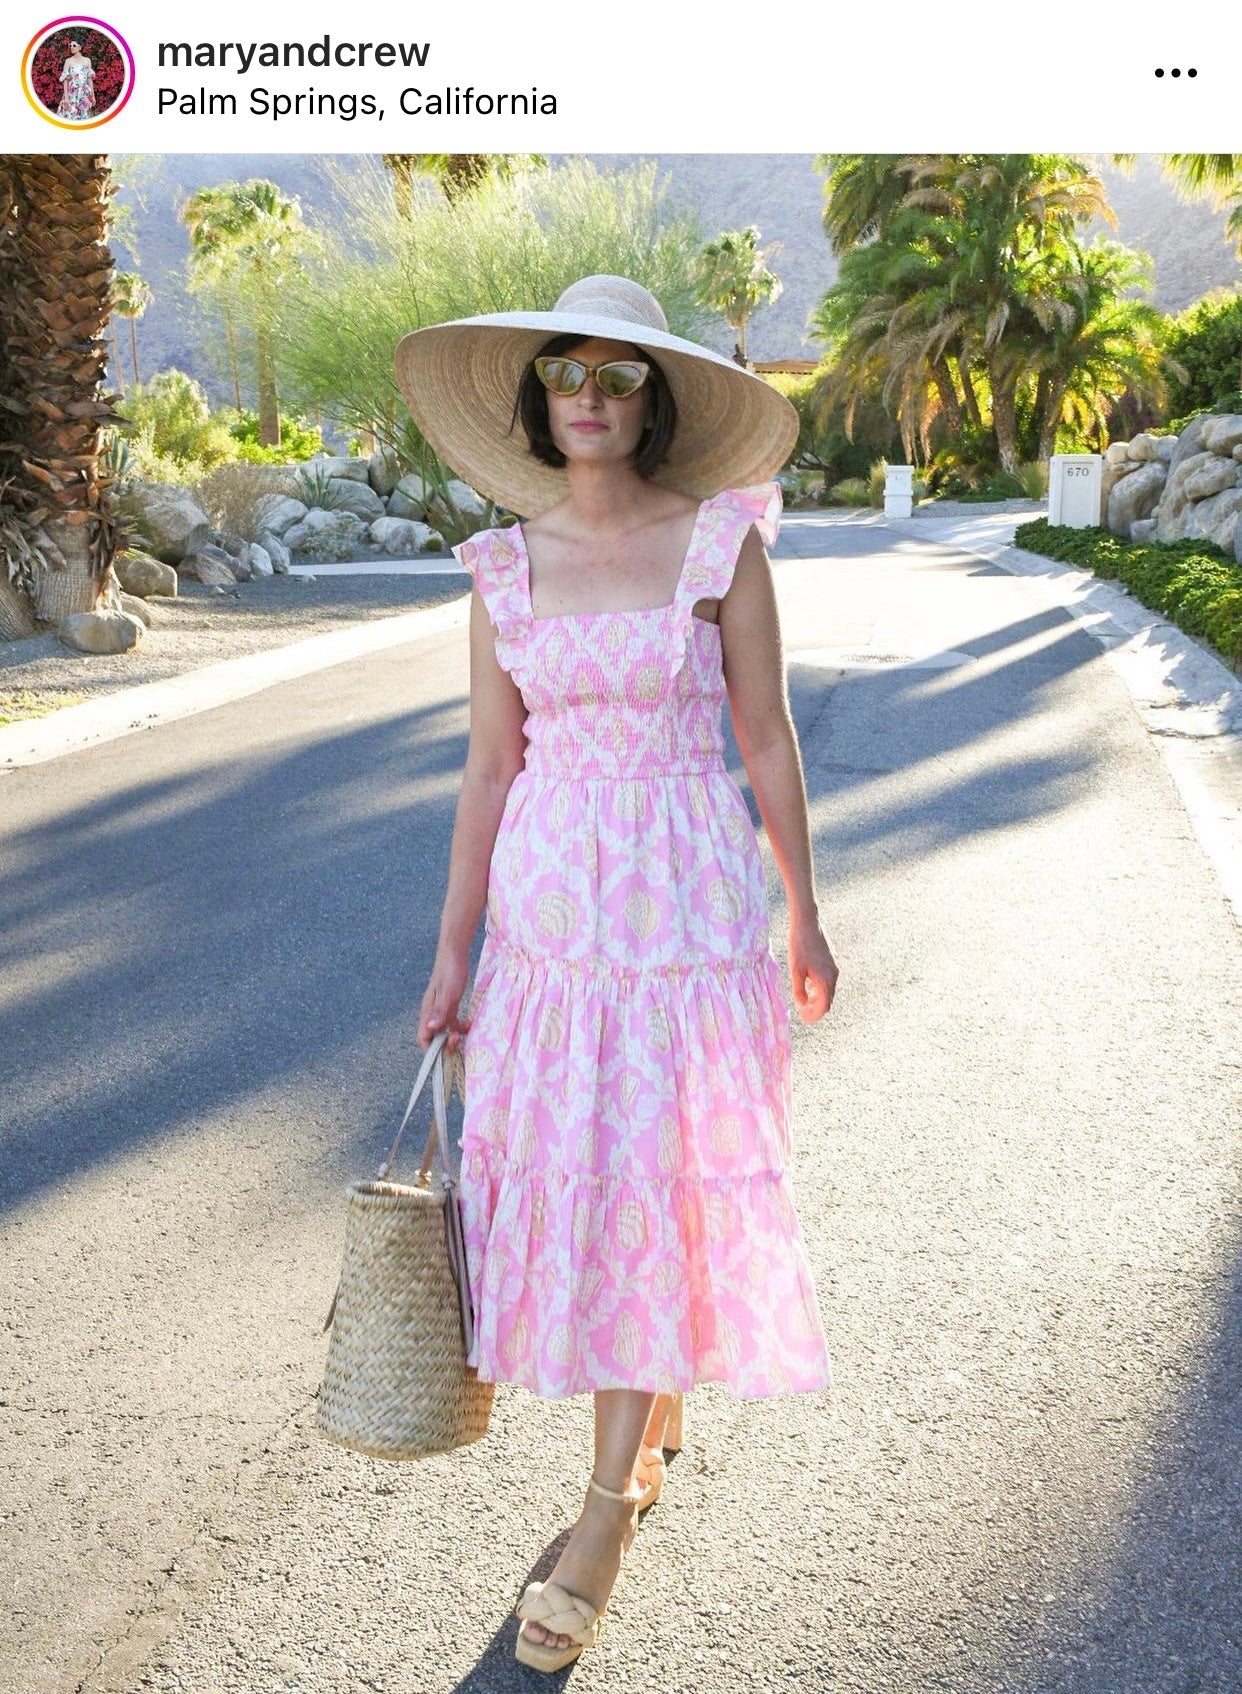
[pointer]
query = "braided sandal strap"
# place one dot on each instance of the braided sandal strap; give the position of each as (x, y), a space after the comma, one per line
(560, 1612)
(614, 1493)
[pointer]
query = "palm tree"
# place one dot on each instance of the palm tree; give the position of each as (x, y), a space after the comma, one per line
(210, 215)
(1112, 346)
(966, 272)
(56, 509)
(130, 298)
(250, 235)
(861, 193)
(735, 281)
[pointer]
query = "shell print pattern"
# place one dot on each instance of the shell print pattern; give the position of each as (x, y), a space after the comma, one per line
(626, 1144)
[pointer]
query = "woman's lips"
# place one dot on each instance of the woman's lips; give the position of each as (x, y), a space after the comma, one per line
(588, 424)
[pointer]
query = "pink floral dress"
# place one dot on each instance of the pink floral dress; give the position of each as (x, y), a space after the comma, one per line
(626, 1139)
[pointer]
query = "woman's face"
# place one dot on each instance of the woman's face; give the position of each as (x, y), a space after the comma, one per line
(587, 426)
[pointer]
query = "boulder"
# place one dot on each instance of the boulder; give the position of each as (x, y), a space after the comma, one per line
(211, 566)
(383, 471)
(1198, 477)
(1135, 496)
(100, 632)
(409, 498)
(1189, 442)
(326, 535)
(233, 545)
(170, 520)
(1166, 446)
(1206, 474)
(1143, 530)
(136, 607)
(1222, 434)
(464, 498)
(1216, 519)
(141, 575)
(356, 497)
(349, 470)
(400, 536)
(278, 512)
(259, 559)
(276, 551)
(1144, 448)
(1117, 453)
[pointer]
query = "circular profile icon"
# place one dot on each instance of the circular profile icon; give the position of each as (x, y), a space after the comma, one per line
(78, 72)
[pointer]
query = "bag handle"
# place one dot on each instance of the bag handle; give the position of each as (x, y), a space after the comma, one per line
(433, 1066)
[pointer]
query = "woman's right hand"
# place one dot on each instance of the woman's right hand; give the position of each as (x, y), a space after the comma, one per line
(440, 1005)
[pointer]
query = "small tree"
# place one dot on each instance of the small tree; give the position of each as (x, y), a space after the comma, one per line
(245, 241)
(130, 298)
(735, 281)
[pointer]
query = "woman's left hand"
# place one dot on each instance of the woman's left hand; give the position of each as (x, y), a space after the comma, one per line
(812, 969)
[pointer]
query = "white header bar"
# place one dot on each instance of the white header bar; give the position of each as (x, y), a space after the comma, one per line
(555, 77)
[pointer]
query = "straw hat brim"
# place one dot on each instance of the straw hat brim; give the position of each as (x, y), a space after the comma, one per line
(461, 379)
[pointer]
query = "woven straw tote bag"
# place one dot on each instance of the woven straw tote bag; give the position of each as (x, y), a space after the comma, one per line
(396, 1384)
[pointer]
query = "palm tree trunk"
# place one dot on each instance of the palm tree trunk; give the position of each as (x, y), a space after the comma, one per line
(942, 376)
(1049, 417)
(970, 400)
(233, 365)
(269, 403)
(56, 283)
(1005, 423)
(116, 369)
(133, 348)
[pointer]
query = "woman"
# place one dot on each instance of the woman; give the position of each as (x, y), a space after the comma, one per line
(77, 98)
(629, 1222)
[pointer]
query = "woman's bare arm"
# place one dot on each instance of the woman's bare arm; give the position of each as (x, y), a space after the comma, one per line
(496, 754)
(754, 665)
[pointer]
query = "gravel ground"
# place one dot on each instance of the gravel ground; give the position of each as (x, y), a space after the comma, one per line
(202, 626)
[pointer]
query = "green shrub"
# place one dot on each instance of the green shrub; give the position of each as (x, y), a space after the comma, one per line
(852, 491)
(172, 422)
(298, 440)
(1195, 584)
(1206, 340)
(312, 485)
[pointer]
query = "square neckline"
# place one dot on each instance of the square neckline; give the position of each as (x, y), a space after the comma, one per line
(626, 611)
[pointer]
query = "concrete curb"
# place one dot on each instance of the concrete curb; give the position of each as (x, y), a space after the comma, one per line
(153, 703)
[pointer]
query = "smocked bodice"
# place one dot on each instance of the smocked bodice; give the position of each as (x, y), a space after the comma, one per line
(626, 694)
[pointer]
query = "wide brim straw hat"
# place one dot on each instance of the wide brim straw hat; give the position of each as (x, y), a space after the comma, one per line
(461, 379)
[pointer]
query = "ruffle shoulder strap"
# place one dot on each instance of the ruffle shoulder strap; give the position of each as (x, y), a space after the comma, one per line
(496, 564)
(723, 524)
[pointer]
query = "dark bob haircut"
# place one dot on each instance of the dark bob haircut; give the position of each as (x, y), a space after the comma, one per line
(532, 409)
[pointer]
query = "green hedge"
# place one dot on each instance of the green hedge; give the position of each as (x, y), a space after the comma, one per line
(1194, 584)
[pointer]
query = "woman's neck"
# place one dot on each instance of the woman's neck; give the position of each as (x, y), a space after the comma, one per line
(600, 495)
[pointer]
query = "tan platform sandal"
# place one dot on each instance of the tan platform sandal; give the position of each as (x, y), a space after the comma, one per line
(560, 1613)
(650, 1469)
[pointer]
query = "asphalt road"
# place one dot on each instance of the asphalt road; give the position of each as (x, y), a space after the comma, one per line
(1017, 1140)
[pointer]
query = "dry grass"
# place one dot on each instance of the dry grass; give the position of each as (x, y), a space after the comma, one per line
(230, 493)
(19, 705)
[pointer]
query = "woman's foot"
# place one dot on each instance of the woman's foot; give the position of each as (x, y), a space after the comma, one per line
(592, 1557)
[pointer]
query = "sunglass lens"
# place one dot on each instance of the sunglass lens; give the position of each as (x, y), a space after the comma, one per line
(562, 376)
(619, 379)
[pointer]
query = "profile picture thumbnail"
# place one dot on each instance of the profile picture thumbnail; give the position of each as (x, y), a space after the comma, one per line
(78, 72)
